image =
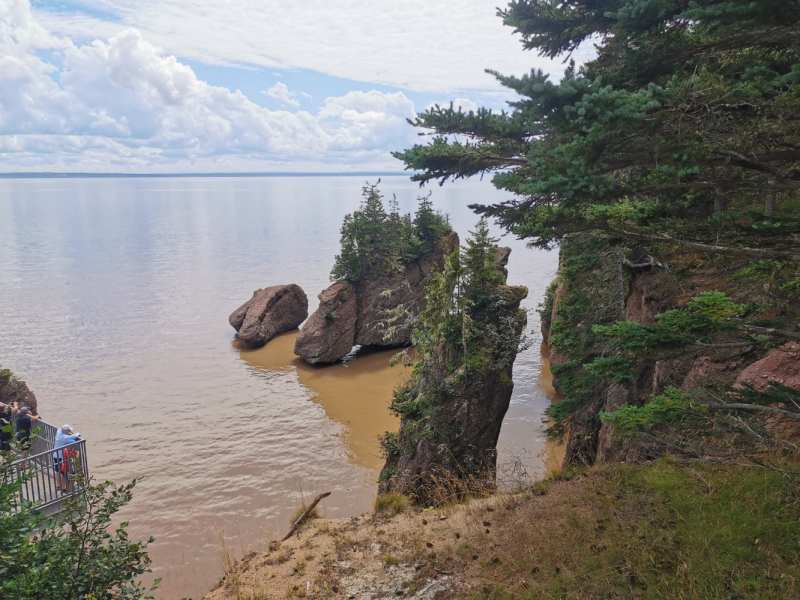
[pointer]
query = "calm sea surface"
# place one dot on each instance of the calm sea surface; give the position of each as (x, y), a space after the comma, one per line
(114, 301)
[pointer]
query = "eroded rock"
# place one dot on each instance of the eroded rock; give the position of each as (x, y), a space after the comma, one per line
(352, 314)
(269, 313)
(14, 390)
(328, 334)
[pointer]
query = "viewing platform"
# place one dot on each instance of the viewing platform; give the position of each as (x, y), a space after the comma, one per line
(54, 474)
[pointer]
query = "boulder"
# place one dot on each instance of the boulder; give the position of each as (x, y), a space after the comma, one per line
(269, 313)
(329, 334)
(326, 339)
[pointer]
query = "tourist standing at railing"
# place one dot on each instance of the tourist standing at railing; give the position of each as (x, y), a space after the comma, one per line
(25, 420)
(6, 428)
(63, 457)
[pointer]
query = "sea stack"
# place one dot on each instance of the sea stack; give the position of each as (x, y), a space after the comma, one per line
(357, 313)
(269, 313)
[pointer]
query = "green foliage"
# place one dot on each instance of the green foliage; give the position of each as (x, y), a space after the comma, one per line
(618, 368)
(72, 556)
(329, 314)
(392, 502)
(686, 121)
(375, 243)
(708, 314)
(471, 328)
(662, 530)
(671, 407)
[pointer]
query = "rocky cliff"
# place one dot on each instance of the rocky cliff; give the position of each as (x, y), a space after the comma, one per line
(453, 406)
(356, 313)
(599, 284)
(269, 313)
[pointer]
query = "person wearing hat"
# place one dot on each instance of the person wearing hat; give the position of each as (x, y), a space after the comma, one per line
(62, 455)
(25, 420)
(6, 414)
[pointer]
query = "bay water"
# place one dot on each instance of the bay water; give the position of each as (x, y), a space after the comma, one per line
(114, 300)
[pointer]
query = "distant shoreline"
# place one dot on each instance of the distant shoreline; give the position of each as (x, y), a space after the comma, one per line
(165, 175)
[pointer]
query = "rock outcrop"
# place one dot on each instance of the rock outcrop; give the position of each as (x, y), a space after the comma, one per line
(453, 447)
(328, 335)
(14, 390)
(269, 313)
(586, 295)
(351, 314)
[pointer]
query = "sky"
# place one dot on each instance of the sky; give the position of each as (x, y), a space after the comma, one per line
(183, 86)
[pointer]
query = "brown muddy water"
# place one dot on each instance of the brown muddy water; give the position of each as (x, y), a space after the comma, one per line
(114, 299)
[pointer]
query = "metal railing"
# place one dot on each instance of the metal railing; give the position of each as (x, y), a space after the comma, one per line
(50, 474)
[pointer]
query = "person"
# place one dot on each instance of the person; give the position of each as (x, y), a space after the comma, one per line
(25, 420)
(61, 458)
(6, 427)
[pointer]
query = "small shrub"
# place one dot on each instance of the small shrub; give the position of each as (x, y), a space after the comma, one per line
(389, 560)
(393, 502)
(329, 314)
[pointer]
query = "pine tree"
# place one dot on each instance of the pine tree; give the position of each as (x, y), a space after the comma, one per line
(482, 272)
(687, 121)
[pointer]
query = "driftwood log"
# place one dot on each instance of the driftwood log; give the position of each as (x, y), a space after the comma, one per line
(305, 514)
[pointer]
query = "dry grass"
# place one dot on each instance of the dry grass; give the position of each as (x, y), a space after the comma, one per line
(617, 532)
(393, 502)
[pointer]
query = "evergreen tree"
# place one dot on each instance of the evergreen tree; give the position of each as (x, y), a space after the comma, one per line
(683, 132)
(687, 121)
(374, 243)
(482, 272)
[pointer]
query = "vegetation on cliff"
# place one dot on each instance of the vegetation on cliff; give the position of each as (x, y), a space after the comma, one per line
(452, 406)
(376, 243)
(619, 531)
(674, 149)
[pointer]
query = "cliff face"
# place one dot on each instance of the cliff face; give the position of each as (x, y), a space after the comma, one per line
(351, 314)
(448, 436)
(594, 288)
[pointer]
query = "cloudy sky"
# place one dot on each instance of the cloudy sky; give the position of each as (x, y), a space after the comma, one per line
(151, 86)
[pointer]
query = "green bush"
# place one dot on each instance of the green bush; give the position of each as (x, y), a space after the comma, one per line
(72, 556)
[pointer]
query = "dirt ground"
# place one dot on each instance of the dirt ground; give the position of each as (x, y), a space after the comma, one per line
(418, 553)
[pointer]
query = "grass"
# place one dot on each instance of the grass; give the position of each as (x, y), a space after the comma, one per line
(651, 531)
(393, 502)
(389, 560)
(314, 514)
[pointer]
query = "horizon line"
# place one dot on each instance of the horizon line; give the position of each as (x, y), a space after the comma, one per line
(53, 175)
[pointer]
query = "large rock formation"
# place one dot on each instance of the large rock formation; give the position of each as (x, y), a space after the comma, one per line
(328, 334)
(452, 413)
(351, 314)
(14, 390)
(269, 313)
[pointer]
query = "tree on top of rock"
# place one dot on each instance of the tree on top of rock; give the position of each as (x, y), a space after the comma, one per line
(374, 243)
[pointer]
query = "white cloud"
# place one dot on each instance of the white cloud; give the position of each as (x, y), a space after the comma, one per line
(125, 105)
(281, 93)
(421, 45)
